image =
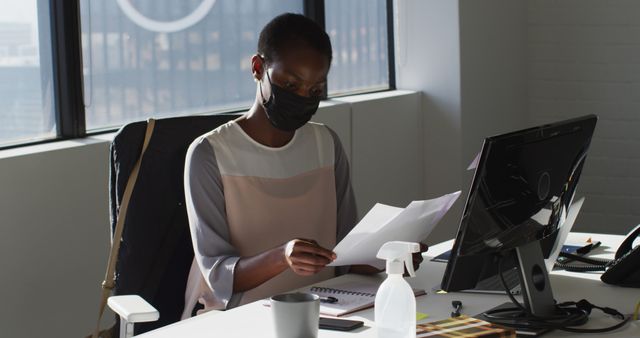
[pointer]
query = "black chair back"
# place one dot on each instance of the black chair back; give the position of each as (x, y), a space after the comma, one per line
(156, 250)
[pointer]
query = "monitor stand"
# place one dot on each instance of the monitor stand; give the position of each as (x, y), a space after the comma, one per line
(534, 279)
(536, 292)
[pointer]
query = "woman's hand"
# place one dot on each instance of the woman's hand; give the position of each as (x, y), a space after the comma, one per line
(305, 257)
(417, 257)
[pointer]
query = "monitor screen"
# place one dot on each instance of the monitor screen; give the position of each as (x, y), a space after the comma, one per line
(521, 191)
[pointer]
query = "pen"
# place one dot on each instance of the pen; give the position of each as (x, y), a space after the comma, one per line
(588, 248)
(329, 300)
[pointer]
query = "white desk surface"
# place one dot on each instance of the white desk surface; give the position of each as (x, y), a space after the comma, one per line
(254, 320)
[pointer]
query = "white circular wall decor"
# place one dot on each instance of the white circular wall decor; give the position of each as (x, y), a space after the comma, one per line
(166, 26)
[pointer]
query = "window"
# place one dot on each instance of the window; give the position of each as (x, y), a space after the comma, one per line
(26, 99)
(68, 67)
(134, 68)
(358, 31)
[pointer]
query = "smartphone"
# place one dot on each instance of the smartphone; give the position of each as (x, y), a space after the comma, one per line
(339, 324)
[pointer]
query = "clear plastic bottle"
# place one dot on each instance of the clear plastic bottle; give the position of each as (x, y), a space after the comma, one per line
(395, 305)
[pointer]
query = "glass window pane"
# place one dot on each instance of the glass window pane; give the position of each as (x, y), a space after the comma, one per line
(358, 31)
(26, 100)
(163, 58)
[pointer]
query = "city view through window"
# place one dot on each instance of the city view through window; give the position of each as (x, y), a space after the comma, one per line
(161, 58)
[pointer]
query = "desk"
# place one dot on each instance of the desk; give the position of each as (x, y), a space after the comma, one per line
(254, 320)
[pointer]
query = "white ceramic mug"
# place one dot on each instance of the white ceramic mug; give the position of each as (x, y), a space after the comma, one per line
(296, 315)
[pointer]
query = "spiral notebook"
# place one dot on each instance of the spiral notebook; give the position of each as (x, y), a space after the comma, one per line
(352, 297)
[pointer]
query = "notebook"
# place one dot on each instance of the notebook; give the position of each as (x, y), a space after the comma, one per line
(463, 326)
(352, 297)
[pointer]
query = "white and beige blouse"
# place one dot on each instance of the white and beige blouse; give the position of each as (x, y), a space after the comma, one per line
(243, 198)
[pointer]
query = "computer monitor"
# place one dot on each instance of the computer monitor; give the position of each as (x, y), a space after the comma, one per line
(522, 188)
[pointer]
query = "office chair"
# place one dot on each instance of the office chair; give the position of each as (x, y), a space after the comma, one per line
(156, 251)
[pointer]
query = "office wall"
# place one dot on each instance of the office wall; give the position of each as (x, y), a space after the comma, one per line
(493, 51)
(53, 238)
(54, 229)
(583, 59)
(387, 148)
(467, 58)
(428, 60)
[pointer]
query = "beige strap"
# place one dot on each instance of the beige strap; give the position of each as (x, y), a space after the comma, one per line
(109, 278)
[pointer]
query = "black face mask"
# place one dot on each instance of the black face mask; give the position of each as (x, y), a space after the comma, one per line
(288, 111)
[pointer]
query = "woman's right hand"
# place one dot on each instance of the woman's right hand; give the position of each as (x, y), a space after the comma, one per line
(305, 257)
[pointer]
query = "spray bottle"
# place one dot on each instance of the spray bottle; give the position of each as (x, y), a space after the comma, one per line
(395, 307)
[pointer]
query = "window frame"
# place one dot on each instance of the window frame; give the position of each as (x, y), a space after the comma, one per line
(67, 69)
(67, 76)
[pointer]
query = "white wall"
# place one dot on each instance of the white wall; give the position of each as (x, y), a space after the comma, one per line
(584, 59)
(467, 57)
(428, 60)
(493, 51)
(485, 67)
(53, 238)
(387, 163)
(382, 136)
(54, 233)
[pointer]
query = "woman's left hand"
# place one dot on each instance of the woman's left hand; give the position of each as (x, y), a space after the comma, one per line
(417, 258)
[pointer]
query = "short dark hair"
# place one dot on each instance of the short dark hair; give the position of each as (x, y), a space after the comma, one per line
(291, 29)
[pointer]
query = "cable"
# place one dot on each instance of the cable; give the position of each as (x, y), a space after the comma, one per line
(570, 314)
(593, 264)
(581, 268)
(588, 260)
(524, 311)
(457, 307)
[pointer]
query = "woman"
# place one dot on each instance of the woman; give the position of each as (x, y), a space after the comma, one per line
(269, 193)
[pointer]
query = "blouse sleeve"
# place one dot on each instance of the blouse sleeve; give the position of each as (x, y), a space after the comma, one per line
(204, 196)
(346, 202)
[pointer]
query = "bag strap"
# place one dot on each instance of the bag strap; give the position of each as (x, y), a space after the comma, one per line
(109, 278)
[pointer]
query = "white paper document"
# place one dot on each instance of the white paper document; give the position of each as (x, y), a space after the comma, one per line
(476, 160)
(385, 223)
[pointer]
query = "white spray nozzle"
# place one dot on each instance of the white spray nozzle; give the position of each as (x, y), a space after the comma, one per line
(398, 255)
